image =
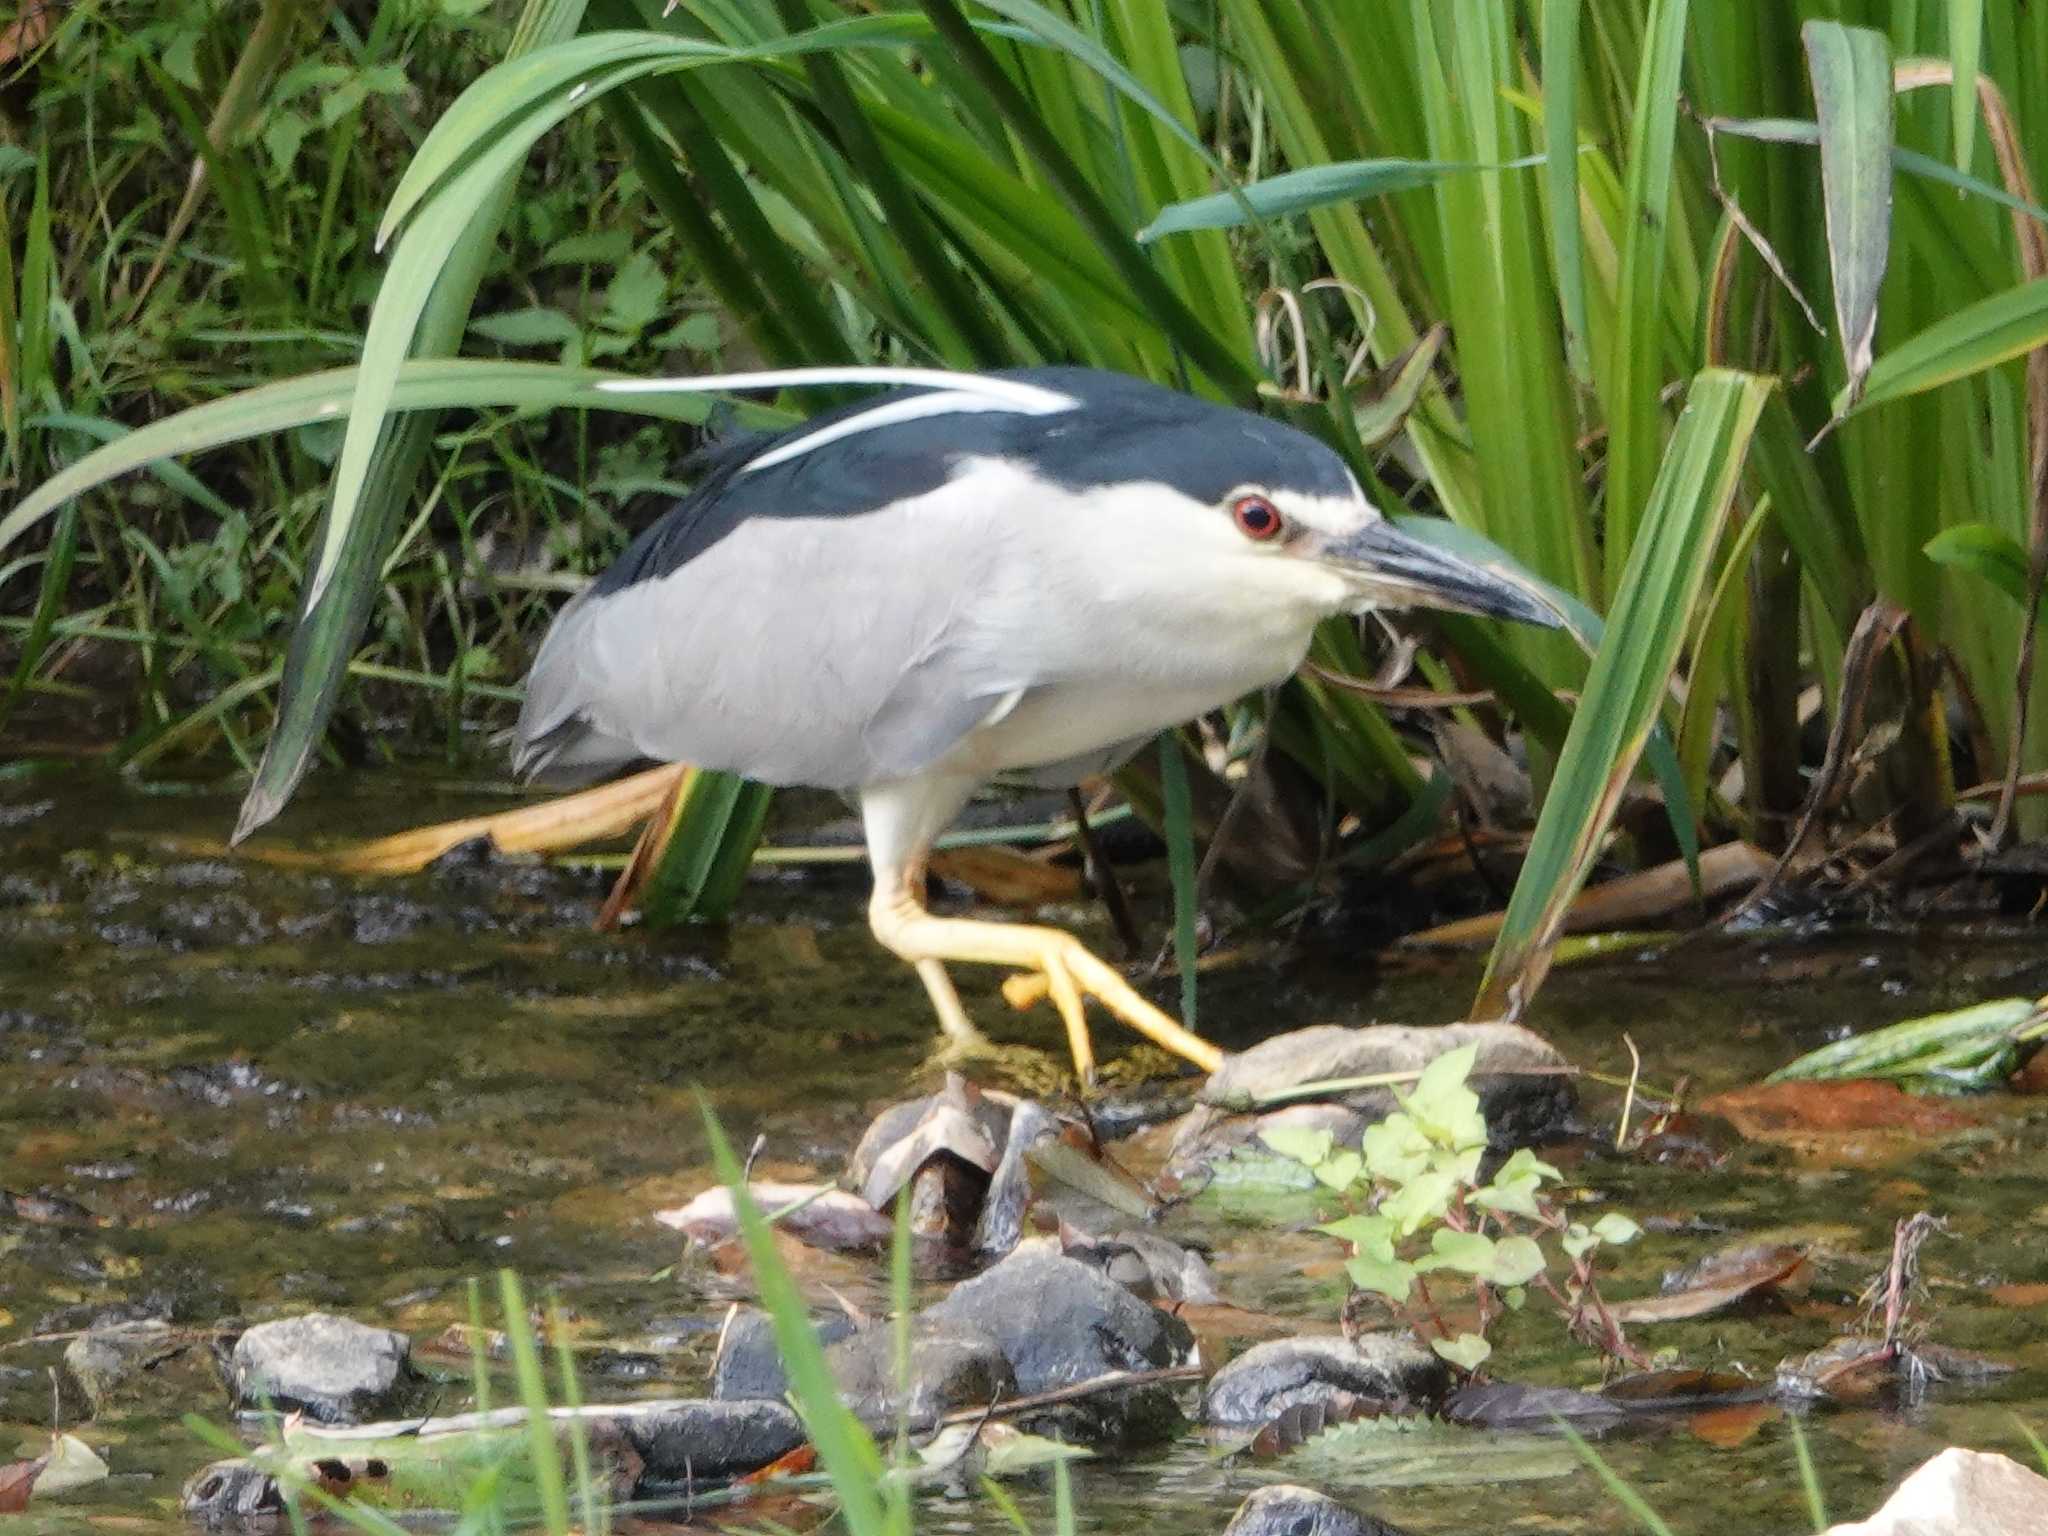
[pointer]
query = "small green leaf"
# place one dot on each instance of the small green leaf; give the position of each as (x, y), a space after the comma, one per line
(1616, 1228)
(535, 326)
(1340, 1170)
(1421, 1200)
(1468, 1351)
(636, 297)
(1516, 1199)
(1577, 1240)
(1441, 1082)
(1987, 552)
(1371, 1235)
(1516, 1261)
(1383, 1277)
(600, 247)
(1469, 1253)
(1395, 1150)
(1304, 1146)
(1521, 1164)
(695, 333)
(1516, 1298)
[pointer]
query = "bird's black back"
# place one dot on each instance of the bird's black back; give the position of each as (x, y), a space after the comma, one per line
(1125, 430)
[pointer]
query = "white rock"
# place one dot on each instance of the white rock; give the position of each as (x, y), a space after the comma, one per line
(1961, 1493)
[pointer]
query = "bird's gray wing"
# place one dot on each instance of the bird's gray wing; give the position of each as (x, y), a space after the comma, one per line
(829, 651)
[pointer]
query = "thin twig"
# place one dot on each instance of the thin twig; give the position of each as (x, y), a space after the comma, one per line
(1628, 1102)
(1107, 886)
(1093, 1387)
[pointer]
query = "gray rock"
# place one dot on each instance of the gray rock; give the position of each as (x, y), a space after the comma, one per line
(332, 1369)
(1149, 1266)
(1059, 1322)
(147, 1364)
(1976, 1492)
(951, 1366)
(1523, 1084)
(749, 1362)
(1269, 1378)
(684, 1440)
(1288, 1510)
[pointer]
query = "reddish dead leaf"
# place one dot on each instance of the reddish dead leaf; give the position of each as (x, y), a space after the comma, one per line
(1858, 1121)
(1217, 1324)
(1716, 1283)
(794, 1464)
(1513, 1405)
(2035, 1295)
(1652, 1389)
(28, 31)
(1005, 876)
(1296, 1425)
(17, 1481)
(1726, 1428)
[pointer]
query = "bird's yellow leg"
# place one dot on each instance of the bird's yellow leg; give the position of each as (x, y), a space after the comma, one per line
(961, 1035)
(903, 926)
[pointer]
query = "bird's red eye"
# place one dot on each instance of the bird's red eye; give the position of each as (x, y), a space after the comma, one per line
(1256, 517)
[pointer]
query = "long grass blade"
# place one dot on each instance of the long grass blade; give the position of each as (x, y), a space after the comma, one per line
(1979, 336)
(1636, 375)
(845, 1448)
(1852, 98)
(56, 582)
(1965, 47)
(1655, 601)
(548, 1473)
(1561, 174)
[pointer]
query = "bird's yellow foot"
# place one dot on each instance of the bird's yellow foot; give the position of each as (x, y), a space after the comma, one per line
(1058, 961)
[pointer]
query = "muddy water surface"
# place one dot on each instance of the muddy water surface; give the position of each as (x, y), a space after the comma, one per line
(236, 1092)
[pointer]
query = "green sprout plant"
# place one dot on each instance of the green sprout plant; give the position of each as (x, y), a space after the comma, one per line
(1417, 1208)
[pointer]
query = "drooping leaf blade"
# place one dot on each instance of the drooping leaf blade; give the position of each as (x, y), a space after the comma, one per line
(1315, 186)
(1851, 68)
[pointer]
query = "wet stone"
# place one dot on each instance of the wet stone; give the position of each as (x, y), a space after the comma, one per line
(951, 1367)
(144, 1364)
(1523, 1083)
(1979, 1493)
(749, 1363)
(696, 1440)
(1060, 1322)
(1289, 1510)
(1270, 1378)
(332, 1369)
(1150, 1266)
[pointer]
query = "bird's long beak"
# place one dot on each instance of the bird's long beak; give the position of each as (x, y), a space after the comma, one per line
(1392, 569)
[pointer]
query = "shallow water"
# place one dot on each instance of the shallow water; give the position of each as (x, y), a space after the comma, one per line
(270, 1090)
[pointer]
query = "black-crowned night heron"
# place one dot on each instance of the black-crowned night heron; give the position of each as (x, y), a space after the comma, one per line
(1024, 574)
